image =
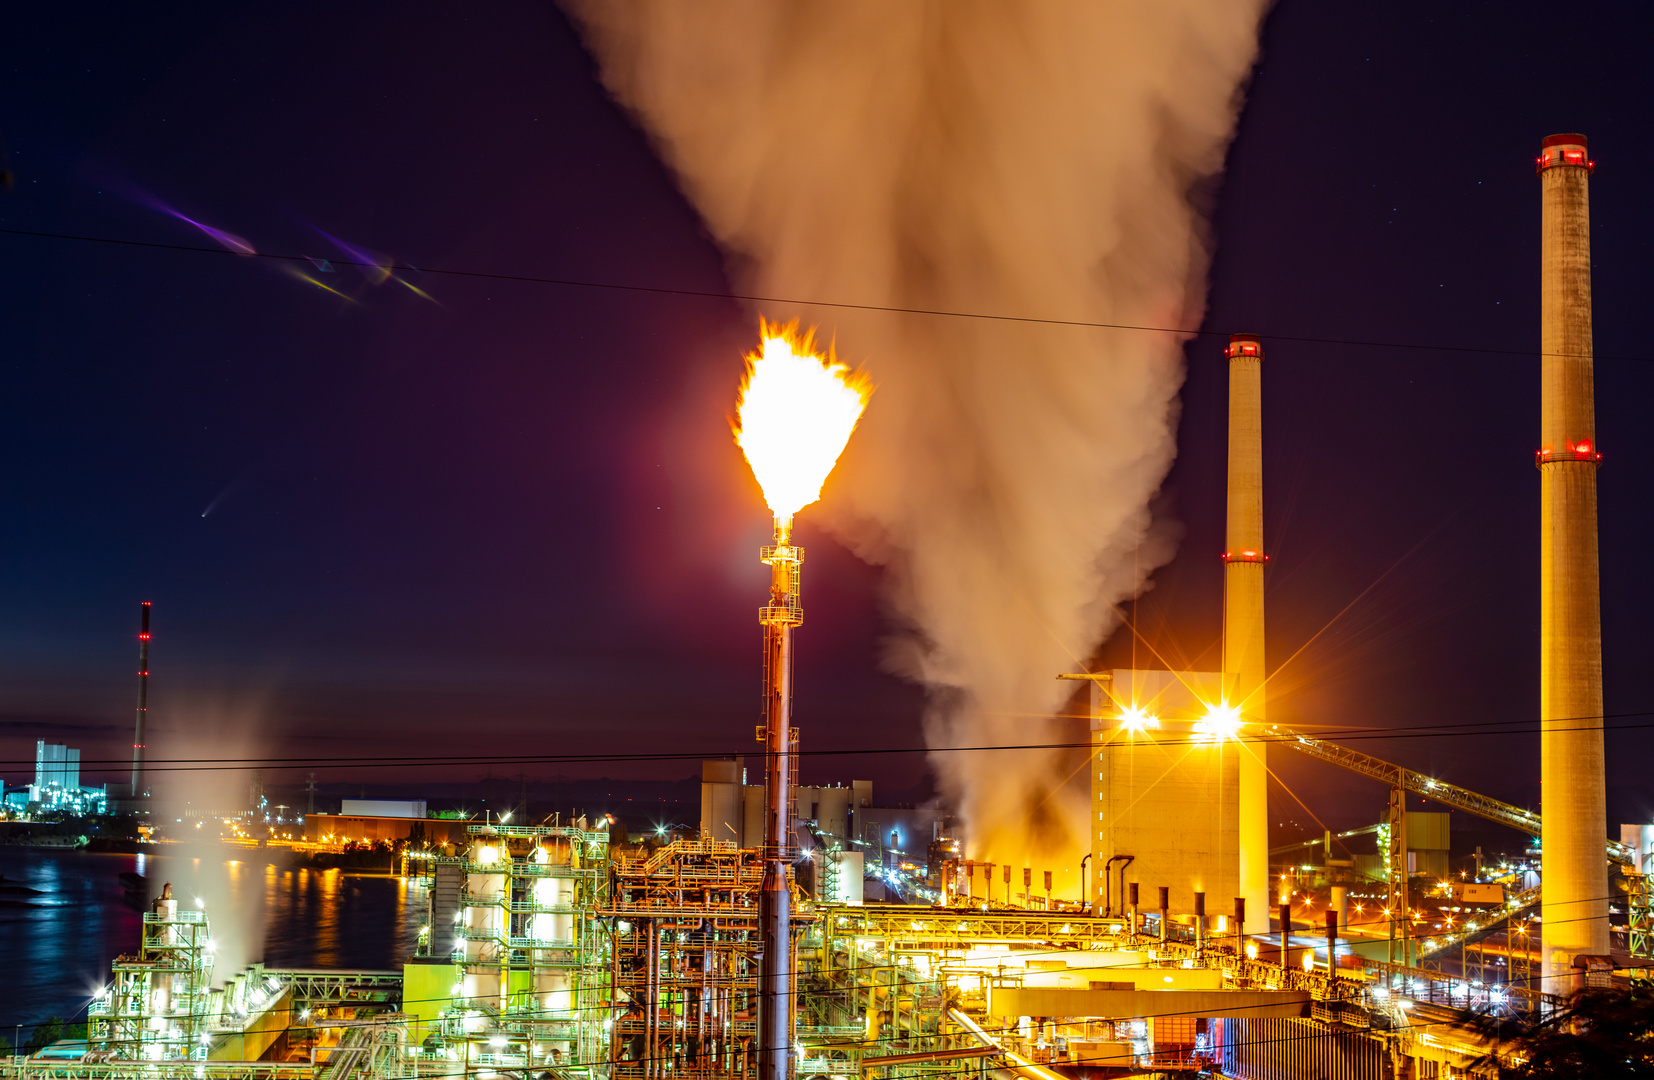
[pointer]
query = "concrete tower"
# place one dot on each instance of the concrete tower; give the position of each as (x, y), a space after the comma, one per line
(1243, 658)
(1573, 799)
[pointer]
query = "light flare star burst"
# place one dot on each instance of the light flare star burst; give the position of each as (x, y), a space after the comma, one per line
(797, 411)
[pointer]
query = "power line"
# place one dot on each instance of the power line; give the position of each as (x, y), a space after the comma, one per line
(714, 294)
(1506, 728)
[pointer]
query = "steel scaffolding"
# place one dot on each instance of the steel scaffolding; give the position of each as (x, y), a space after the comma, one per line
(530, 955)
(685, 945)
(157, 1007)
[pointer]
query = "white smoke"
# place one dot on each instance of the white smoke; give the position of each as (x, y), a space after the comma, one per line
(1040, 158)
(194, 795)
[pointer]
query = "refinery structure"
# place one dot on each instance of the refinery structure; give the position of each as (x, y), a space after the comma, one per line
(562, 950)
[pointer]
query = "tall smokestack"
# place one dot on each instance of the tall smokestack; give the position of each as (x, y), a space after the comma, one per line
(1243, 658)
(1573, 797)
(143, 705)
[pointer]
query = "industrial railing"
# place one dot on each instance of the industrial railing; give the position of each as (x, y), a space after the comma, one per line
(1421, 984)
(31, 1069)
(528, 869)
(1474, 929)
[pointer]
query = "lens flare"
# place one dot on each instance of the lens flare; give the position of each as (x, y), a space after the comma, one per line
(1137, 719)
(229, 240)
(797, 411)
(1221, 722)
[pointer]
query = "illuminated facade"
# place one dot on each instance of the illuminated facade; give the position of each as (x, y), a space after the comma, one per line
(1165, 791)
(513, 971)
(56, 784)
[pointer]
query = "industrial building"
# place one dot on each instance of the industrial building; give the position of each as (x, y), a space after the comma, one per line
(732, 810)
(1166, 789)
(548, 949)
(749, 950)
(57, 787)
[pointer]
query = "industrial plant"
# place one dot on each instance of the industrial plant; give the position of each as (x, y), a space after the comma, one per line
(807, 934)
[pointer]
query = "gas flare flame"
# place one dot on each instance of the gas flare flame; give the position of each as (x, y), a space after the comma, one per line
(797, 411)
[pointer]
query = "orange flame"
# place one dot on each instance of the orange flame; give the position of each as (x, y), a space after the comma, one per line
(797, 411)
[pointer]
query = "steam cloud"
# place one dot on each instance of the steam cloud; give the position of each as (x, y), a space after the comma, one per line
(228, 883)
(1042, 159)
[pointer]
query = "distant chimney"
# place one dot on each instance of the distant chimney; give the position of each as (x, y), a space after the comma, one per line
(138, 735)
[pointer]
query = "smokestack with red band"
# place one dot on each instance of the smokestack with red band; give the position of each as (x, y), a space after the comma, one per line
(1572, 793)
(143, 704)
(1243, 640)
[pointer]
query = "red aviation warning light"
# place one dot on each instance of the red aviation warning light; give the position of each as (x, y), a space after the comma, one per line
(1565, 149)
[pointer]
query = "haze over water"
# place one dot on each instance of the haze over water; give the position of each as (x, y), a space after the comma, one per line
(57, 944)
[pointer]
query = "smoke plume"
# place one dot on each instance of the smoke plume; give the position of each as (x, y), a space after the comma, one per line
(193, 803)
(1044, 160)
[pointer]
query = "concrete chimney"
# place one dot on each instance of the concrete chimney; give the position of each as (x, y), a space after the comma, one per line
(1243, 657)
(1573, 800)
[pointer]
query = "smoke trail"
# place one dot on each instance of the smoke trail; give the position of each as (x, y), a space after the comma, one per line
(1042, 159)
(223, 879)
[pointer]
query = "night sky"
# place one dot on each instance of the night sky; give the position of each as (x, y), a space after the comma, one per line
(509, 517)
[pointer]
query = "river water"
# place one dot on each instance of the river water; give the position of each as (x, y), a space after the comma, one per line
(56, 942)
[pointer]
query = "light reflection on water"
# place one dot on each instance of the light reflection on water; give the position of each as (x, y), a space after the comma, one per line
(56, 945)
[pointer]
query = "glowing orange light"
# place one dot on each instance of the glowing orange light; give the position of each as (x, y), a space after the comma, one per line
(797, 411)
(1136, 719)
(1222, 721)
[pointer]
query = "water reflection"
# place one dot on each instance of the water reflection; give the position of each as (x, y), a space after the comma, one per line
(57, 941)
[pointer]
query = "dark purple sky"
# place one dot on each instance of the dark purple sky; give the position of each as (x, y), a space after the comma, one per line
(513, 519)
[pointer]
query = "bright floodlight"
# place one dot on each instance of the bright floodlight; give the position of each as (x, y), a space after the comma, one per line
(1220, 723)
(1136, 719)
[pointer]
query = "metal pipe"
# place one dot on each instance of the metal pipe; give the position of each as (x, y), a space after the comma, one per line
(651, 1024)
(1200, 922)
(1131, 926)
(138, 736)
(1165, 913)
(1108, 882)
(778, 618)
(1286, 930)
(1128, 861)
(1085, 897)
(1332, 942)
(1240, 926)
(1574, 910)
